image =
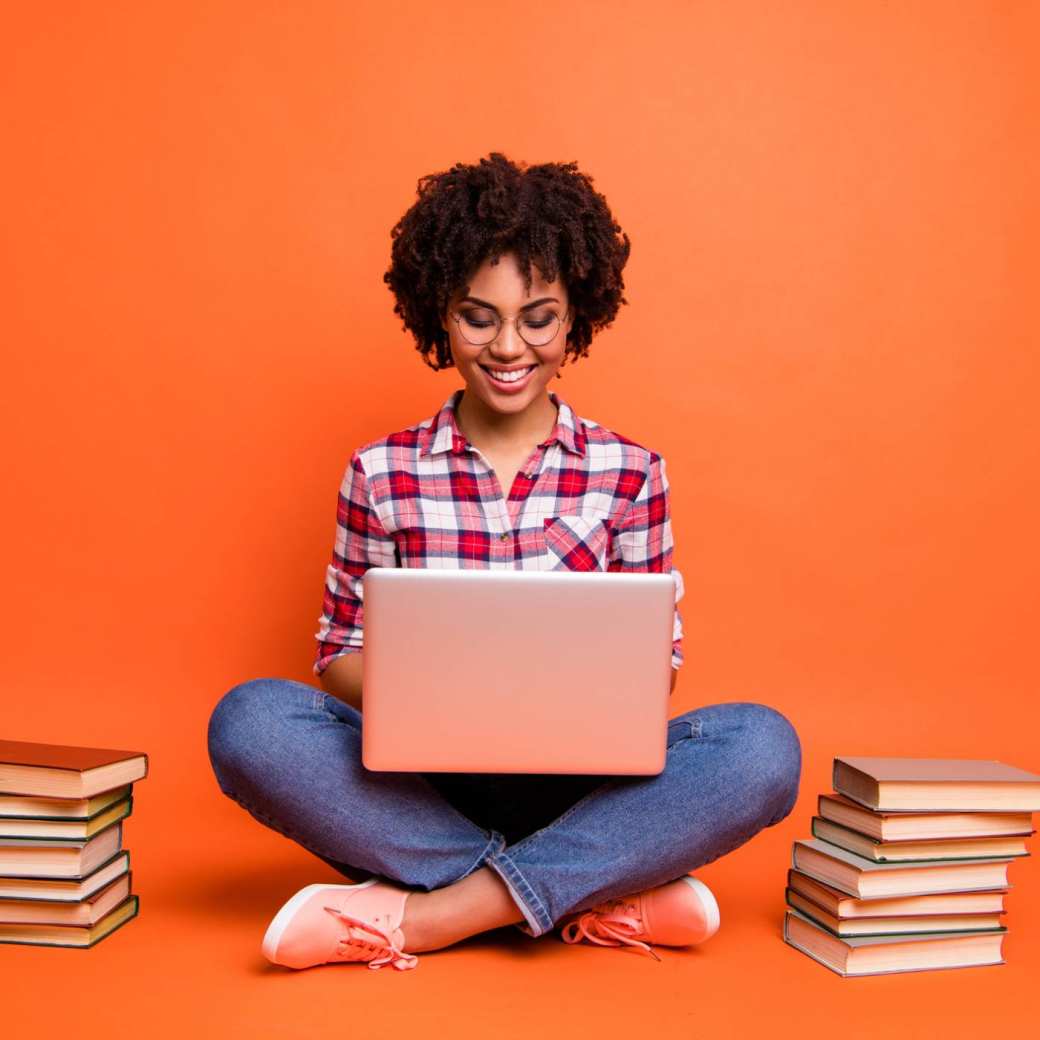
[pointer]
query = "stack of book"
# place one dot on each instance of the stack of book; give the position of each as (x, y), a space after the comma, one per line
(907, 868)
(64, 874)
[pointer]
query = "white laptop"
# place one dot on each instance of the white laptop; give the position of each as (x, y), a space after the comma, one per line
(504, 671)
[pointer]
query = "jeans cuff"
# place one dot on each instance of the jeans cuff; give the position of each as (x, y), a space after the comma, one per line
(496, 841)
(539, 921)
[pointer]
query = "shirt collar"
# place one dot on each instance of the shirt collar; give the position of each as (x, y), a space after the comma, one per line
(444, 435)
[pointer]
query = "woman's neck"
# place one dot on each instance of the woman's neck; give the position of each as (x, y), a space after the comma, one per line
(498, 431)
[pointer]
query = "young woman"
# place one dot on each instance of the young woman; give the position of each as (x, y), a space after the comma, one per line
(502, 271)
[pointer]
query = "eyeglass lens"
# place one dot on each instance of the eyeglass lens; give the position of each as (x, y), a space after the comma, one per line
(479, 326)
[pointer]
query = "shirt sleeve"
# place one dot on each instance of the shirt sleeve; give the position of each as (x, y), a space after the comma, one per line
(643, 540)
(360, 543)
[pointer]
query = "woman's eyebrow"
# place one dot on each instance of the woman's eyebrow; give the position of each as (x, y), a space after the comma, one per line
(491, 306)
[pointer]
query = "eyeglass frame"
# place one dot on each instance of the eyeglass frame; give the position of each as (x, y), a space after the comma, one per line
(500, 322)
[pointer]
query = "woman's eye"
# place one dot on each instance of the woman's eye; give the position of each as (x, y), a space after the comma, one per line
(539, 321)
(478, 319)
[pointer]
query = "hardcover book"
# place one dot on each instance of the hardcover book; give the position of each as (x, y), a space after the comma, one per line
(840, 904)
(64, 771)
(29, 807)
(866, 879)
(886, 954)
(911, 851)
(915, 826)
(19, 827)
(68, 890)
(87, 911)
(892, 925)
(936, 784)
(58, 857)
(70, 934)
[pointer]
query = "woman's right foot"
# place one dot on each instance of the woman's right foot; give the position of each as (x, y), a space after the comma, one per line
(326, 924)
(682, 912)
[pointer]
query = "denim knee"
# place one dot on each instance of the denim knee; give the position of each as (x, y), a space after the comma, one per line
(777, 751)
(240, 725)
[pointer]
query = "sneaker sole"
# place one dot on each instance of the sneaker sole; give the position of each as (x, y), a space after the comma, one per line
(273, 935)
(708, 901)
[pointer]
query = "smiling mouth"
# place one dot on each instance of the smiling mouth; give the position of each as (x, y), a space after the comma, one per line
(525, 373)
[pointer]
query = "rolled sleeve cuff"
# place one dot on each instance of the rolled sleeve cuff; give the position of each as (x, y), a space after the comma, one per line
(325, 658)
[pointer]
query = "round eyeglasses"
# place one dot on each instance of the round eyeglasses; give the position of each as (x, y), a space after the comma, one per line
(480, 326)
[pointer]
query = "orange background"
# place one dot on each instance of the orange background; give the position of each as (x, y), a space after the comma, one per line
(831, 339)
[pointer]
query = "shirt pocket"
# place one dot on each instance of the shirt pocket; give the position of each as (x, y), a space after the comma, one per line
(578, 542)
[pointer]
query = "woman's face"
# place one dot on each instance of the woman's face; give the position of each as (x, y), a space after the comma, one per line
(497, 291)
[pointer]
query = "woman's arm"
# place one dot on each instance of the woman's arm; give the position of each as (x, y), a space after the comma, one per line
(360, 543)
(342, 678)
(643, 542)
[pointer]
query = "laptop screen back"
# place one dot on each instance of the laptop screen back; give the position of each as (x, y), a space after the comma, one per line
(510, 671)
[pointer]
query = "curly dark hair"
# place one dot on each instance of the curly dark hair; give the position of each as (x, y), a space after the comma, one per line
(547, 214)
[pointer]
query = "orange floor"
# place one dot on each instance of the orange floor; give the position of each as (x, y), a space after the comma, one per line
(190, 964)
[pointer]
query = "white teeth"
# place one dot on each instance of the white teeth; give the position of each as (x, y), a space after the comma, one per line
(510, 377)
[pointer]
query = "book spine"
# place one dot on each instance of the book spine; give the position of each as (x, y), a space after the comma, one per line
(801, 949)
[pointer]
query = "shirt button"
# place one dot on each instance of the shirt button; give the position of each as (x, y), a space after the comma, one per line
(504, 536)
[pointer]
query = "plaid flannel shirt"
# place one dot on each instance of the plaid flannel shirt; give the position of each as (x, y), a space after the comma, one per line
(587, 499)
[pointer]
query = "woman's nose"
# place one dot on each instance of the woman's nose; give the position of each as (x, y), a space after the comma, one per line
(510, 338)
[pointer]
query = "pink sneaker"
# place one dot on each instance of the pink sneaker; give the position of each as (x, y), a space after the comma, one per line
(679, 913)
(325, 924)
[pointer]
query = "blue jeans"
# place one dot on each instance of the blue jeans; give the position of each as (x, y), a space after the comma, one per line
(290, 754)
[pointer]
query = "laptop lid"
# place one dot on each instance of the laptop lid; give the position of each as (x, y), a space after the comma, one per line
(506, 671)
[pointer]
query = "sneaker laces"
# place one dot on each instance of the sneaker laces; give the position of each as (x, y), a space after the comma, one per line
(377, 951)
(608, 927)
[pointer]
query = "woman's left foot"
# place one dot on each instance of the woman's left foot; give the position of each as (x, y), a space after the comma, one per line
(682, 912)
